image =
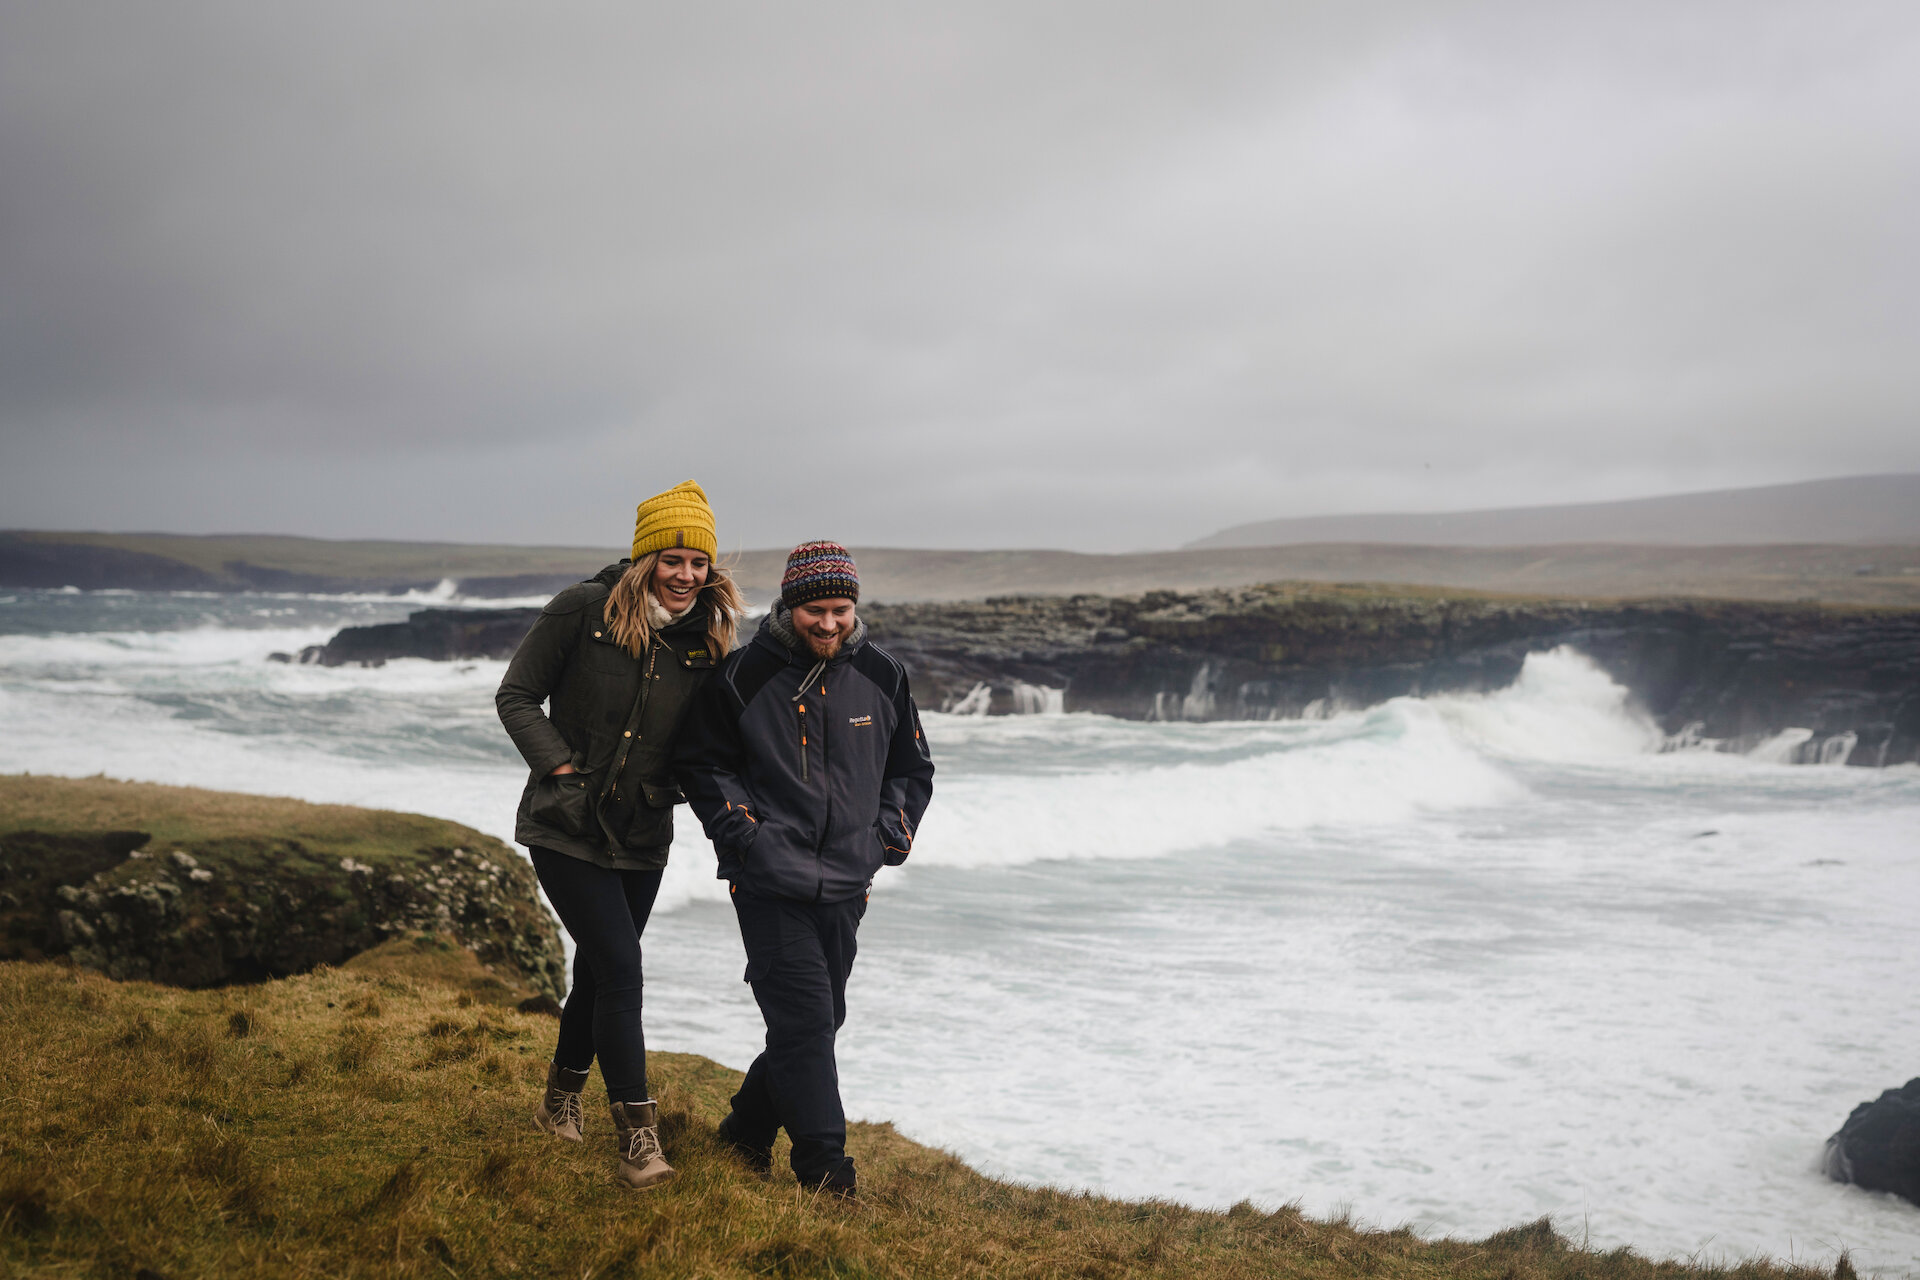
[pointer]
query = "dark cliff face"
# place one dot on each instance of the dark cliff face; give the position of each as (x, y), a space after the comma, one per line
(219, 911)
(1711, 670)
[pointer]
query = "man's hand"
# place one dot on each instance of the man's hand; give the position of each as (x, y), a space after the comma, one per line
(565, 768)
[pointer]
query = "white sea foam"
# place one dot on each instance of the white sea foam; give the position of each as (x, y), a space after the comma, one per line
(1392, 765)
(444, 594)
(1384, 767)
(1461, 960)
(192, 647)
(1562, 708)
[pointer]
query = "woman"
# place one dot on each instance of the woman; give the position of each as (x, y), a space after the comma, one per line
(620, 657)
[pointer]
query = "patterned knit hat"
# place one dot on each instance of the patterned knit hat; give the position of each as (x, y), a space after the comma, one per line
(817, 570)
(680, 517)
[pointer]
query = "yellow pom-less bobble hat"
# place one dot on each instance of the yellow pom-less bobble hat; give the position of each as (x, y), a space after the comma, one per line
(680, 517)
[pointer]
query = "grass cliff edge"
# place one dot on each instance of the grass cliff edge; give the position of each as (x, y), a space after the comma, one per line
(199, 888)
(371, 1118)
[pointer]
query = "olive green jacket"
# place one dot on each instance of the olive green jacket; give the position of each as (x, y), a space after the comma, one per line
(616, 808)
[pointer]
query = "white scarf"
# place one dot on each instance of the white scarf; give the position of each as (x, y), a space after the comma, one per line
(657, 615)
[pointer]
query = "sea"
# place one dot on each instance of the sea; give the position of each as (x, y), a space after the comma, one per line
(1454, 963)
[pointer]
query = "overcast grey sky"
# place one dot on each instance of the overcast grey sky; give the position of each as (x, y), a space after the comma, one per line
(1105, 276)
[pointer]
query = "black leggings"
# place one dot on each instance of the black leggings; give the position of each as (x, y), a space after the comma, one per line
(604, 911)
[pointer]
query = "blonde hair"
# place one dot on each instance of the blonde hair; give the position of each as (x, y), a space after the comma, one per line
(627, 607)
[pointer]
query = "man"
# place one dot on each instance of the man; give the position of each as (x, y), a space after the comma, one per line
(805, 762)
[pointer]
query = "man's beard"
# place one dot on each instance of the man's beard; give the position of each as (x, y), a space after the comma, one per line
(824, 649)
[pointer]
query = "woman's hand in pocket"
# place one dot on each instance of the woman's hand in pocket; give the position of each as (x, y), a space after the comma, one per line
(560, 769)
(561, 799)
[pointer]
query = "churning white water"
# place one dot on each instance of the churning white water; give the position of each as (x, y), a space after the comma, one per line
(1458, 962)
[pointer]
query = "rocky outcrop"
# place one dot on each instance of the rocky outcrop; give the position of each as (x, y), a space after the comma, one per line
(208, 912)
(34, 867)
(1845, 681)
(1879, 1146)
(439, 634)
(1721, 672)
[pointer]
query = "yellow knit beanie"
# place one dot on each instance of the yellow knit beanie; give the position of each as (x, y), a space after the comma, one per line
(680, 517)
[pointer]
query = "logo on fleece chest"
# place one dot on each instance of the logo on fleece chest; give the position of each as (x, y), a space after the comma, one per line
(860, 722)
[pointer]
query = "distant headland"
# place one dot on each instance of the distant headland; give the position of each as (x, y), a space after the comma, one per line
(1837, 573)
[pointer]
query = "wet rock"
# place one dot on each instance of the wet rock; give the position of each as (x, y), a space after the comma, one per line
(1879, 1145)
(1816, 683)
(429, 633)
(39, 877)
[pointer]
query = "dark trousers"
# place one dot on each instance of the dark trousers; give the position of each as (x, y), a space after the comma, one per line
(798, 958)
(604, 912)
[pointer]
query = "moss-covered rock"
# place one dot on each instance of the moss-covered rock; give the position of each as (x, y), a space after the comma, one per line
(196, 888)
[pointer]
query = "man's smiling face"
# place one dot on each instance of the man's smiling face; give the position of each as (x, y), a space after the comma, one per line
(824, 624)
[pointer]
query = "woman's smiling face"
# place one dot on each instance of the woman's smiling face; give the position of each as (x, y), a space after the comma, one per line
(678, 577)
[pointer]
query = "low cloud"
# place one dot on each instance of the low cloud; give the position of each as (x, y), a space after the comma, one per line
(1075, 277)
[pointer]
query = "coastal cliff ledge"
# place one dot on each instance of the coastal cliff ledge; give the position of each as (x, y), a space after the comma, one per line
(201, 888)
(1841, 683)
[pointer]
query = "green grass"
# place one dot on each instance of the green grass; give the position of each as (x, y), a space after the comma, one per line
(371, 1120)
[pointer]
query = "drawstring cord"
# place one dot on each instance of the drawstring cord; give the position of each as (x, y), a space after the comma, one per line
(807, 683)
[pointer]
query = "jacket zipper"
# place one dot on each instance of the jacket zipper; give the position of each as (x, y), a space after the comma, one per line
(800, 707)
(826, 817)
(825, 720)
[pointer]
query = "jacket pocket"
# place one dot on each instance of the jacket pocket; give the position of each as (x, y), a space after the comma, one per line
(649, 827)
(737, 830)
(894, 846)
(564, 801)
(661, 796)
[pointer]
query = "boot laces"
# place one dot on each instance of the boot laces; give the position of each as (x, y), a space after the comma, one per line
(567, 1112)
(642, 1145)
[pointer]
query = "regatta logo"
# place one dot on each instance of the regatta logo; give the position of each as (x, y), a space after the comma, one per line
(859, 720)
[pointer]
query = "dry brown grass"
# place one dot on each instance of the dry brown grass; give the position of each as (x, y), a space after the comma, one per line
(372, 1122)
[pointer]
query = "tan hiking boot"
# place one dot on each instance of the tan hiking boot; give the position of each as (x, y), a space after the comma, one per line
(637, 1124)
(559, 1109)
